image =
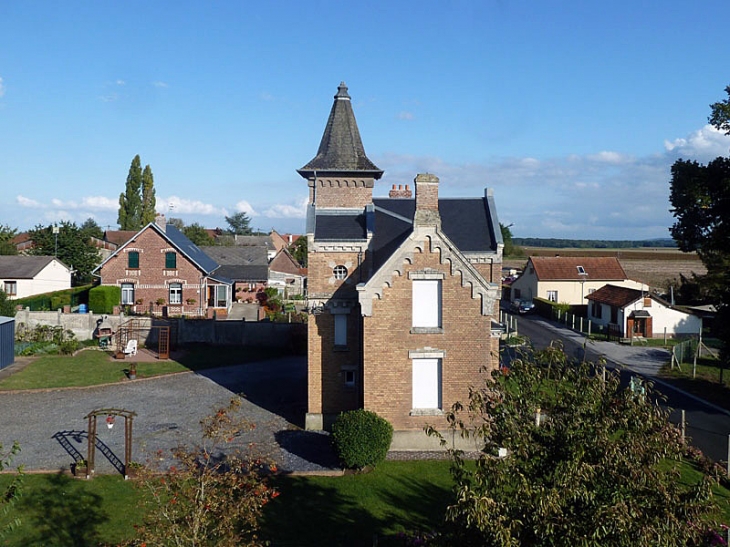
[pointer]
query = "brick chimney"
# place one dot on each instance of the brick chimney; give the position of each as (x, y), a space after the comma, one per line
(400, 192)
(427, 200)
(161, 221)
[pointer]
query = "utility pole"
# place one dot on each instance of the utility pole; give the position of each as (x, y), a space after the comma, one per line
(55, 237)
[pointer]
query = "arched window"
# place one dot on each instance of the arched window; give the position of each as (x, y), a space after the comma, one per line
(340, 272)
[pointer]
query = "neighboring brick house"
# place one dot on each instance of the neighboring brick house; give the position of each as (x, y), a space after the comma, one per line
(630, 313)
(246, 265)
(568, 279)
(23, 276)
(160, 264)
(286, 275)
(403, 292)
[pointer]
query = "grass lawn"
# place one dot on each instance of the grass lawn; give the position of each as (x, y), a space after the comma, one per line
(332, 511)
(94, 367)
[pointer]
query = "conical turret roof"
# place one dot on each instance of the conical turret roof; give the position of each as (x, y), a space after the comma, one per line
(341, 148)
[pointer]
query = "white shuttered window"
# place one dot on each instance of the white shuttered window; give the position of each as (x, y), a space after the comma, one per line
(426, 383)
(427, 303)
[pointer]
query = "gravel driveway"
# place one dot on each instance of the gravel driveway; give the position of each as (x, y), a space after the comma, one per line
(51, 426)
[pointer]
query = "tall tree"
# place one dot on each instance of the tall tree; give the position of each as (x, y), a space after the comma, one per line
(239, 224)
(148, 197)
(6, 236)
(74, 249)
(570, 458)
(130, 201)
(700, 198)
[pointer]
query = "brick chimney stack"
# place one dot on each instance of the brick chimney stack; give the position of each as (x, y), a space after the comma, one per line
(161, 221)
(400, 192)
(427, 200)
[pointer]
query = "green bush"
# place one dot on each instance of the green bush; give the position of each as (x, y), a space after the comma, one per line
(103, 298)
(361, 438)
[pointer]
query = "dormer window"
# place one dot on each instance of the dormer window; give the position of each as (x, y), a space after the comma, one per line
(340, 272)
(581, 270)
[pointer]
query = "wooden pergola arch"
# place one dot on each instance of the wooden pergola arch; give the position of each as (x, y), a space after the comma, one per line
(111, 414)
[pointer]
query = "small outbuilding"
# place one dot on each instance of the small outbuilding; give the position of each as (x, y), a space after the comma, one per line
(7, 341)
(633, 313)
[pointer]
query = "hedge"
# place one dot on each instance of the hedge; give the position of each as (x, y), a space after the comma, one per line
(361, 438)
(103, 298)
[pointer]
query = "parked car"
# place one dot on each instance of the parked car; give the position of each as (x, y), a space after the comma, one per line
(526, 306)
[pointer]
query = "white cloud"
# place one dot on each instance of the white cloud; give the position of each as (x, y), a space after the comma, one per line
(99, 203)
(609, 157)
(266, 96)
(120, 82)
(405, 115)
(27, 202)
(282, 210)
(2, 88)
(702, 145)
(160, 84)
(174, 206)
(110, 98)
(244, 206)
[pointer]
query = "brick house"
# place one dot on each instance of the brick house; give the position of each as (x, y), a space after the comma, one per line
(286, 275)
(160, 264)
(630, 313)
(403, 290)
(568, 278)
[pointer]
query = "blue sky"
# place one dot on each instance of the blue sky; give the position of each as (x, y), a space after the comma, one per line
(572, 111)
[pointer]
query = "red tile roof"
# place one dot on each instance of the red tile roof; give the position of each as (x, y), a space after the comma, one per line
(118, 237)
(614, 296)
(565, 268)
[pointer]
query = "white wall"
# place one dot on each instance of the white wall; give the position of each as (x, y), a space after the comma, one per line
(54, 277)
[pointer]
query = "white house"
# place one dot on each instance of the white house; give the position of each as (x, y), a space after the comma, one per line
(638, 313)
(568, 278)
(23, 276)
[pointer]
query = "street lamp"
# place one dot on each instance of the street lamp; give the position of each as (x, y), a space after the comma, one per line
(55, 237)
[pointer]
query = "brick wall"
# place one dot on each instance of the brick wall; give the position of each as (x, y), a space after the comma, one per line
(151, 280)
(343, 192)
(465, 341)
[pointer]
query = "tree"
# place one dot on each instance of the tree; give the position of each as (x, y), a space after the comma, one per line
(239, 224)
(720, 116)
(211, 494)
(700, 199)
(148, 197)
(137, 202)
(12, 492)
(568, 458)
(198, 235)
(7, 307)
(298, 250)
(6, 236)
(510, 249)
(74, 249)
(91, 228)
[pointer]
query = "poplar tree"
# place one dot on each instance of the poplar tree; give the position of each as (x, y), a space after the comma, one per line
(148, 196)
(130, 201)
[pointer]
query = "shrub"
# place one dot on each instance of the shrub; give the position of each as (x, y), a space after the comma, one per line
(361, 438)
(103, 298)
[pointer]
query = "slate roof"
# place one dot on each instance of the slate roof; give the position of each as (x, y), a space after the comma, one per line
(465, 222)
(614, 296)
(187, 247)
(240, 263)
(23, 267)
(565, 268)
(341, 148)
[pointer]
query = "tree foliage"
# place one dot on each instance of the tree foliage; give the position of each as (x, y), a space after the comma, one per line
(720, 116)
(12, 492)
(239, 224)
(74, 249)
(298, 250)
(587, 462)
(197, 234)
(137, 202)
(510, 249)
(91, 228)
(7, 306)
(211, 494)
(6, 235)
(700, 199)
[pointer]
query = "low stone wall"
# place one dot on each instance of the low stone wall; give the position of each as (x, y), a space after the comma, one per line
(183, 331)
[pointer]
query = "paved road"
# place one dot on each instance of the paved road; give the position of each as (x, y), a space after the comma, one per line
(51, 424)
(707, 425)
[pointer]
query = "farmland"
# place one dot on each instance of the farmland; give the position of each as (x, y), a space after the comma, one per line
(654, 266)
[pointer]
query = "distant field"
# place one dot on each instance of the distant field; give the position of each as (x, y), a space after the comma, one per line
(654, 266)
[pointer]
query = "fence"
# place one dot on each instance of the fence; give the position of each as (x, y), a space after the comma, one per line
(187, 331)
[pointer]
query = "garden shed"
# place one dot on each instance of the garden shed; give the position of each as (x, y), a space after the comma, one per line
(7, 341)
